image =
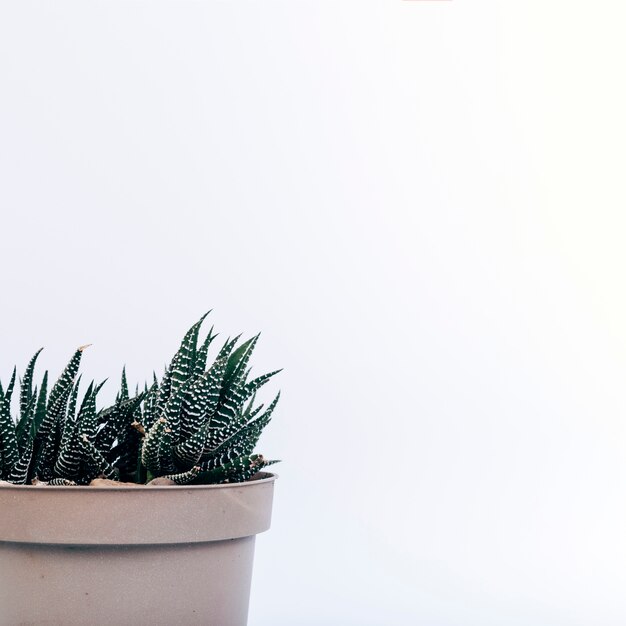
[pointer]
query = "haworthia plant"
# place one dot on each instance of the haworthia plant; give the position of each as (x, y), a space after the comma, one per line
(199, 424)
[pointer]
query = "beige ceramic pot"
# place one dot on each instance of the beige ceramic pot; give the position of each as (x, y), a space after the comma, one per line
(90, 556)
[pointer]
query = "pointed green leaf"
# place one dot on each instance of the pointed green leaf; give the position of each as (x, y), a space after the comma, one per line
(238, 360)
(150, 447)
(42, 403)
(8, 439)
(188, 452)
(102, 466)
(66, 380)
(184, 478)
(60, 482)
(11, 386)
(19, 473)
(239, 470)
(241, 443)
(124, 386)
(202, 354)
(26, 385)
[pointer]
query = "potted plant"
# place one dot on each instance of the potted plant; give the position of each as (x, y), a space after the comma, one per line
(144, 512)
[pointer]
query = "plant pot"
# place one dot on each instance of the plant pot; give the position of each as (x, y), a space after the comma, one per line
(120, 556)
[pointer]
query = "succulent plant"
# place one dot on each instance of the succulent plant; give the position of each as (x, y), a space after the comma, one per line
(197, 425)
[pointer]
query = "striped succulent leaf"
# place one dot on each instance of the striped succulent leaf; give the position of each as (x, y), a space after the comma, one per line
(8, 394)
(123, 395)
(241, 443)
(41, 406)
(186, 355)
(216, 378)
(239, 470)
(66, 380)
(23, 429)
(238, 361)
(195, 400)
(8, 438)
(26, 385)
(19, 473)
(150, 399)
(250, 388)
(166, 455)
(94, 457)
(227, 418)
(151, 445)
(227, 348)
(71, 405)
(184, 478)
(61, 482)
(202, 399)
(71, 459)
(55, 411)
(187, 453)
(250, 411)
(45, 458)
(181, 365)
(86, 420)
(68, 457)
(68, 461)
(173, 407)
(199, 365)
(115, 420)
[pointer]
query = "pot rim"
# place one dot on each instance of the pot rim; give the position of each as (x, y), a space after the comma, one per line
(115, 516)
(264, 477)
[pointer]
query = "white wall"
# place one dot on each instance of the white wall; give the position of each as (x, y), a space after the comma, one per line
(421, 205)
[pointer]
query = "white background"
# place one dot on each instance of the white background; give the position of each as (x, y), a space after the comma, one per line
(420, 205)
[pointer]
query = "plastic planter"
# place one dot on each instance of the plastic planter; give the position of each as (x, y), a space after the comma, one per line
(179, 555)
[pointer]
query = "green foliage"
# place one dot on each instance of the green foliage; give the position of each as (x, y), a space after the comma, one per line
(197, 425)
(203, 418)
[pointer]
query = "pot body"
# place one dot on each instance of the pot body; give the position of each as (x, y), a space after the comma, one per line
(130, 555)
